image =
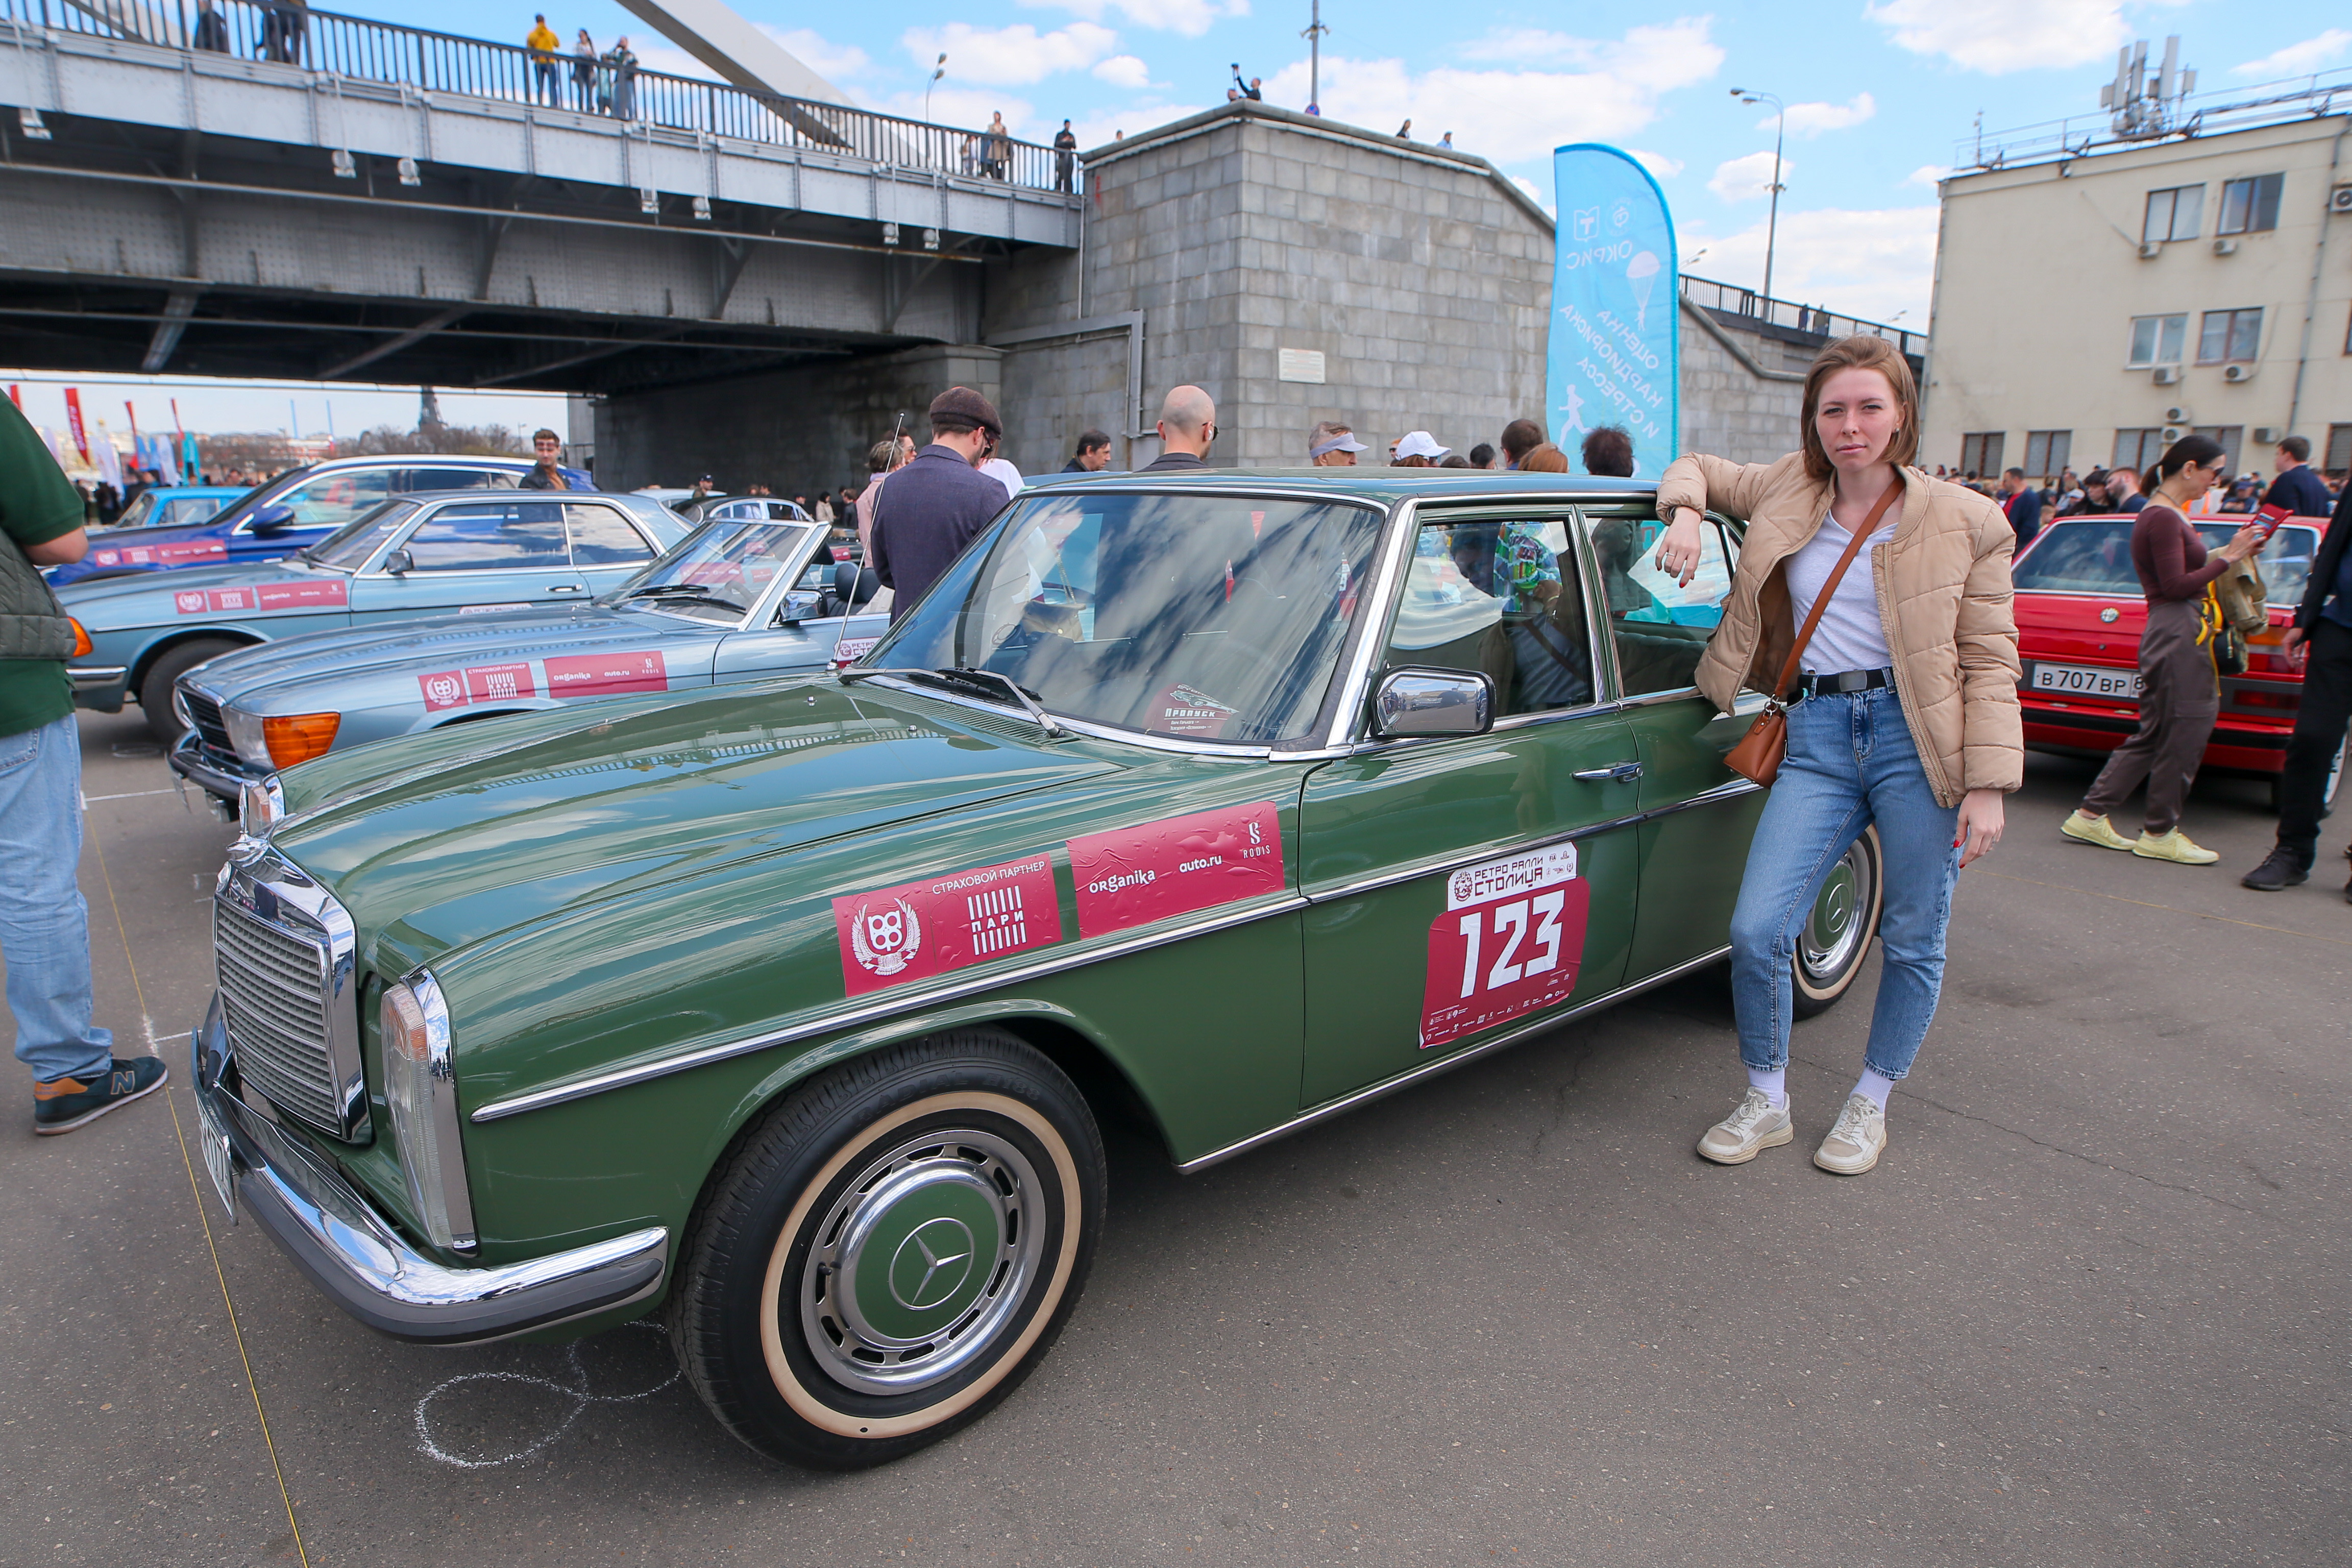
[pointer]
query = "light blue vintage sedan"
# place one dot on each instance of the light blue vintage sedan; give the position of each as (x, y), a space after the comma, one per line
(741, 598)
(419, 556)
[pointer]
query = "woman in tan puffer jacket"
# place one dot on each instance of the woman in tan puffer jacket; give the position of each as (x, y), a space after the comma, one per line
(1906, 714)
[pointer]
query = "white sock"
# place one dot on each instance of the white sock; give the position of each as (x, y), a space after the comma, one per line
(1774, 1083)
(1875, 1087)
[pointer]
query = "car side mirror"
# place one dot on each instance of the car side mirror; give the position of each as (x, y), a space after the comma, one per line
(399, 562)
(1417, 702)
(800, 606)
(270, 519)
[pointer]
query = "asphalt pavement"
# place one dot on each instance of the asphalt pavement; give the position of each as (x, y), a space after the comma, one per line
(2091, 1309)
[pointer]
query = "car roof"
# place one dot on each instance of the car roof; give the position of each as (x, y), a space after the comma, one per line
(1384, 485)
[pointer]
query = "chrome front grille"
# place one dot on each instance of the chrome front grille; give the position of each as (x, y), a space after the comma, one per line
(205, 714)
(282, 959)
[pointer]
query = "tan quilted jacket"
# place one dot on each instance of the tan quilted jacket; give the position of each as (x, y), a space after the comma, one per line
(1943, 597)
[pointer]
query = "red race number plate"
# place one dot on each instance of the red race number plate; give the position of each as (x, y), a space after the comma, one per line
(1509, 943)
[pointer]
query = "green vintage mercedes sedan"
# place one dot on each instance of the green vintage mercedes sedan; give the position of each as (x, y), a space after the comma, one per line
(787, 1010)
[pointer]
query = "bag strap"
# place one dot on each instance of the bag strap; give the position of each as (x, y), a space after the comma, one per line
(1821, 600)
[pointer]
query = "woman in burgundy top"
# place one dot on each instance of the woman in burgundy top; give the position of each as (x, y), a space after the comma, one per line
(2179, 691)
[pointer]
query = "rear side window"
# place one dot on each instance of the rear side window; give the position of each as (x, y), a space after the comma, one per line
(501, 536)
(2080, 558)
(456, 479)
(1659, 626)
(331, 501)
(601, 536)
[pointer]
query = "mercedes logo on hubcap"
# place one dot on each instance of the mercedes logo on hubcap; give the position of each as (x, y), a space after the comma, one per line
(931, 1265)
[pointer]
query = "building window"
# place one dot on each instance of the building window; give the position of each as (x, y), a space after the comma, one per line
(2157, 340)
(2137, 449)
(2232, 437)
(2337, 457)
(2249, 207)
(1980, 454)
(2173, 213)
(2226, 337)
(2046, 452)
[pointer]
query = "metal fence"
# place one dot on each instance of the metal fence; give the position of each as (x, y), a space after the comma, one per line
(1732, 300)
(288, 33)
(2212, 113)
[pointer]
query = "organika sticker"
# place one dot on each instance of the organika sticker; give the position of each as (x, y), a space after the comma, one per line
(1135, 875)
(1508, 944)
(917, 930)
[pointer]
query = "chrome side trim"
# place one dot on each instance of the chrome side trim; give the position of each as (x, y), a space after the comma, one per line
(1330, 1109)
(98, 674)
(1348, 714)
(872, 1011)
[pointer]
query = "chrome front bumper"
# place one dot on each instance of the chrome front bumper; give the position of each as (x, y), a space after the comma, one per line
(191, 760)
(360, 1259)
(102, 687)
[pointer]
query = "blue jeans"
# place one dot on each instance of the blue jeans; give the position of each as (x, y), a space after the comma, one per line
(44, 923)
(1851, 763)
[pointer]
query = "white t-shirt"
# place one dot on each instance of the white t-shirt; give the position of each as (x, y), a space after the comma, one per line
(1004, 474)
(1851, 636)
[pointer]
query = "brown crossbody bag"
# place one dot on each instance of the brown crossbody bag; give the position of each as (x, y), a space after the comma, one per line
(1758, 755)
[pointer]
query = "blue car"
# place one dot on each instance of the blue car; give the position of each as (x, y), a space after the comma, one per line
(290, 512)
(455, 551)
(178, 506)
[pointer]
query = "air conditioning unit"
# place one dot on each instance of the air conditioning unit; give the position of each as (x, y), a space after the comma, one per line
(2167, 375)
(2151, 249)
(2173, 432)
(2268, 434)
(2237, 373)
(2339, 200)
(2225, 248)
(2176, 415)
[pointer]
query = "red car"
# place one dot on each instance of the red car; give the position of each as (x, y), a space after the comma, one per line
(2079, 615)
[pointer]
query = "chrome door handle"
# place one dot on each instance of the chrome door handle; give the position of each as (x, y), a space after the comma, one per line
(1621, 773)
(566, 588)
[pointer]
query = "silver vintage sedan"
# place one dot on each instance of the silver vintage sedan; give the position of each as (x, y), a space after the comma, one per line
(738, 599)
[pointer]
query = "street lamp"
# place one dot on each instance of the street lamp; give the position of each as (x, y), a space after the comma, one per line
(941, 71)
(1772, 225)
(1313, 33)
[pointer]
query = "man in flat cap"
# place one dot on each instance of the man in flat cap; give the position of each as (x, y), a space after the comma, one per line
(931, 508)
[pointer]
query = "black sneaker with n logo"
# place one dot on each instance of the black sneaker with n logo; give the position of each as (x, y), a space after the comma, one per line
(63, 1104)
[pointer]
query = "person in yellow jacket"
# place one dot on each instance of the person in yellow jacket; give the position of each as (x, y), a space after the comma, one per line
(543, 44)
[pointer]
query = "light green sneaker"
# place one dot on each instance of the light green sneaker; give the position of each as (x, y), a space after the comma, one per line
(2175, 846)
(1753, 1126)
(2095, 830)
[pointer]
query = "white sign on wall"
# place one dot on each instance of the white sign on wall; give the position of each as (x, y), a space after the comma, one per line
(1299, 364)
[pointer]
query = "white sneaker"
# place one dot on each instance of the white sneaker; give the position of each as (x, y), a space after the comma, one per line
(1754, 1125)
(1856, 1141)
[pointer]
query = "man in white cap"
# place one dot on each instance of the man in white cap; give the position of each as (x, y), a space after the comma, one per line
(1330, 446)
(1418, 444)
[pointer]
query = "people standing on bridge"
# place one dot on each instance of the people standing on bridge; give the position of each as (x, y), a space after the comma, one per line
(621, 65)
(2180, 691)
(1065, 158)
(1188, 425)
(542, 43)
(212, 32)
(1331, 445)
(282, 30)
(996, 156)
(1093, 455)
(931, 508)
(1907, 717)
(584, 73)
(44, 921)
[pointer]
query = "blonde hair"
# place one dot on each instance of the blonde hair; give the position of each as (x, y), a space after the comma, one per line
(1863, 352)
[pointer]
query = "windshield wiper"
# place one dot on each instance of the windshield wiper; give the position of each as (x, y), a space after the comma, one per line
(967, 677)
(683, 590)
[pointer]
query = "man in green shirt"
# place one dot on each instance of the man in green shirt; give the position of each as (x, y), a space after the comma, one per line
(44, 922)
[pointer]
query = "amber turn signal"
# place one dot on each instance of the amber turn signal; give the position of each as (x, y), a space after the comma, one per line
(297, 737)
(81, 638)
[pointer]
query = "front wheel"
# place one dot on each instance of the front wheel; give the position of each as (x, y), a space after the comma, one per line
(1837, 934)
(155, 691)
(891, 1249)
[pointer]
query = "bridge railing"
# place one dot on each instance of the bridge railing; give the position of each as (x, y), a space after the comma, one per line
(1732, 300)
(361, 50)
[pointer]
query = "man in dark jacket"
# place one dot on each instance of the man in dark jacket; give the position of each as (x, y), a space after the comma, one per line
(2297, 489)
(1066, 156)
(1093, 455)
(2321, 634)
(547, 474)
(934, 506)
(1188, 423)
(2021, 504)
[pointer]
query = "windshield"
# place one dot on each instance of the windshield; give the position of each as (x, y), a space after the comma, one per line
(348, 548)
(1211, 617)
(718, 572)
(2096, 558)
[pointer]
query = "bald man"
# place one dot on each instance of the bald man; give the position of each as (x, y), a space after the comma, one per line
(1188, 423)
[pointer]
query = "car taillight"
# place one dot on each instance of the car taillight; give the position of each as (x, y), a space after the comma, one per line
(81, 638)
(297, 737)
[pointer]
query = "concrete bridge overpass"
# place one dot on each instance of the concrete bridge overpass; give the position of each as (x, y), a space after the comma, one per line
(352, 199)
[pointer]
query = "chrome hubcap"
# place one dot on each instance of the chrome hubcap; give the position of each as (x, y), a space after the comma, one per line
(1834, 932)
(920, 1262)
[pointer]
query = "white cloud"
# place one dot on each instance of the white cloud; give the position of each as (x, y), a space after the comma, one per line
(1658, 163)
(966, 107)
(1539, 197)
(1009, 56)
(1191, 20)
(1812, 118)
(1508, 115)
(1870, 264)
(2001, 36)
(836, 63)
(1927, 175)
(1124, 70)
(2299, 59)
(1530, 47)
(1101, 130)
(1748, 179)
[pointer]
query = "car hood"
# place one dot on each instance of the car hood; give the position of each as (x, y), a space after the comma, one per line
(149, 597)
(442, 642)
(438, 840)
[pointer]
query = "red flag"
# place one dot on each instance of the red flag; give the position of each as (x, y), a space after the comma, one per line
(134, 423)
(73, 422)
(17, 396)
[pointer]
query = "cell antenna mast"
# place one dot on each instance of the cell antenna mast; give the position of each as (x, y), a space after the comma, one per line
(1313, 33)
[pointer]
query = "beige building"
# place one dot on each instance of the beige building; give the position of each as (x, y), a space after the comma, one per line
(2104, 297)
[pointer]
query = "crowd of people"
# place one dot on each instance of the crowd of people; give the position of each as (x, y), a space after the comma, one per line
(2029, 502)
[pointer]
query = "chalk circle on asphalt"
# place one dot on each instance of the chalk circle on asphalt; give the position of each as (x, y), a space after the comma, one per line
(570, 1386)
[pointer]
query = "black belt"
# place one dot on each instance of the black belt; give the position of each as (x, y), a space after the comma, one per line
(1811, 685)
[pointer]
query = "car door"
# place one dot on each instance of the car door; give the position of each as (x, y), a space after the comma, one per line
(468, 555)
(1698, 815)
(1464, 887)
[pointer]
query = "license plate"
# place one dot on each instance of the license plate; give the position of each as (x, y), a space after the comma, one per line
(2087, 681)
(214, 1137)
